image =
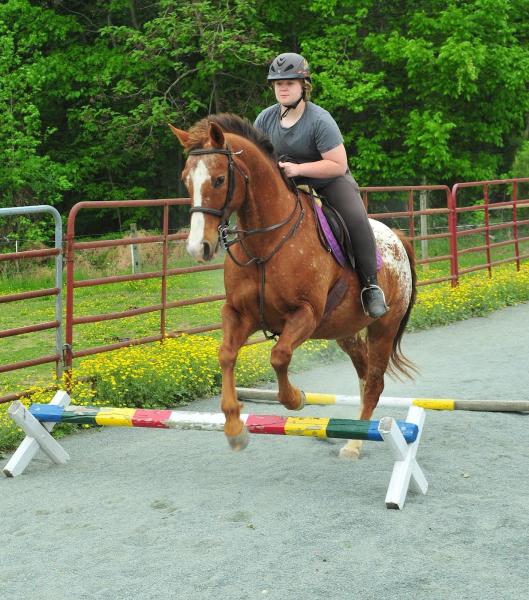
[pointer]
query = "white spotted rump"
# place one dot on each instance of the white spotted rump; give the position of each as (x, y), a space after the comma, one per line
(394, 256)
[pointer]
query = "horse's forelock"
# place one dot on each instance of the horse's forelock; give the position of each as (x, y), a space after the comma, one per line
(198, 135)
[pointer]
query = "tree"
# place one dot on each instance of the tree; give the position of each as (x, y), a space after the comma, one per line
(28, 176)
(183, 61)
(425, 90)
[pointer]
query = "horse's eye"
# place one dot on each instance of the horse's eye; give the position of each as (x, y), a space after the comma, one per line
(219, 181)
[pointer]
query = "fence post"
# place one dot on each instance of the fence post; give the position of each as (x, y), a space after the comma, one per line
(452, 226)
(17, 263)
(134, 251)
(423, 199)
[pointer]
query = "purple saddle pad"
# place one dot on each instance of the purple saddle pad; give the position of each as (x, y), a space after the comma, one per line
(335, 247)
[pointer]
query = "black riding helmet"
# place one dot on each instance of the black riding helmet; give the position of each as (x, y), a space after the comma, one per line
(289, 66)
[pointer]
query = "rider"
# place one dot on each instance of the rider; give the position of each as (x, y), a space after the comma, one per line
(309, 135)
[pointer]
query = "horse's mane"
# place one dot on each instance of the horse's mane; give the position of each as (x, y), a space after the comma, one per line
(230, 123)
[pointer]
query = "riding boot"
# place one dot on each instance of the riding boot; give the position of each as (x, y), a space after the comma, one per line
(373, 298)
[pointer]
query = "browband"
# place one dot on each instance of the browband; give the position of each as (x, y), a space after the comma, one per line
(225, 151)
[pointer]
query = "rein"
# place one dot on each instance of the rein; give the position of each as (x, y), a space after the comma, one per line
(242, 234)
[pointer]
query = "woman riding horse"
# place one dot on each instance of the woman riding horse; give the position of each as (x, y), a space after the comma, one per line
(309, 135)
(277, 274)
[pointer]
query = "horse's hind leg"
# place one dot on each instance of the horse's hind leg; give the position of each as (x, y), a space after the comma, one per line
(371, 367)
(298, 327)
(236, 330)
(356, 347)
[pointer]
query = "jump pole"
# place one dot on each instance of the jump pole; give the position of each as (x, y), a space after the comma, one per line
(402, 437)
(311, 398)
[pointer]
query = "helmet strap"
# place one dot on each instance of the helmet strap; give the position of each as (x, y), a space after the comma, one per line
(292, 106)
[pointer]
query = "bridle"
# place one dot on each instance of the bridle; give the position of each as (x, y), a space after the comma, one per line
(241, 234)
(223, 212)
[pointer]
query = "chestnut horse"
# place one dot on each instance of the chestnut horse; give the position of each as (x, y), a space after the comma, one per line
(278, 276)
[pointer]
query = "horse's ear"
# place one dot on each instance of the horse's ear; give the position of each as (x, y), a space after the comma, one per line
(216, 135)
(182, 135)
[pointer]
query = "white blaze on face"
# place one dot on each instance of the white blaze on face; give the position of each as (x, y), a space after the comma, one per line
(198, 175)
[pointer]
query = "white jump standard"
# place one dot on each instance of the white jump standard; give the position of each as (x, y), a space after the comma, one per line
(402, 437)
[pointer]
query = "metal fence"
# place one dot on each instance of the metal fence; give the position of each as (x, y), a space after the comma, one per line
(72, 249)
(22, 296)
(510, 202)
(412, 214)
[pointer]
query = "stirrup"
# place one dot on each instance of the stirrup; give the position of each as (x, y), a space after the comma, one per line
(364, 308)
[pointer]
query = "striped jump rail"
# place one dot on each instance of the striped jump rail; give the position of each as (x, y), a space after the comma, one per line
(401, 437)
(320, 427)
(316, 399)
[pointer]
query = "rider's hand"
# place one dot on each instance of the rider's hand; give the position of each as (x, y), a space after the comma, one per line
(290, 169)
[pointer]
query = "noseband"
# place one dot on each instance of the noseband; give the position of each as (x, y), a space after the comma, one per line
(241, 235)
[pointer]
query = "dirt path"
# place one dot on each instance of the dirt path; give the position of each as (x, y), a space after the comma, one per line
(149, 514)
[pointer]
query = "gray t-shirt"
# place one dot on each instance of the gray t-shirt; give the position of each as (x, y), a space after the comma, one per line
(316, 132)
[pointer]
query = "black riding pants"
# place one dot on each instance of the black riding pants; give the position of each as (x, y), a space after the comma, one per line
(343, 194)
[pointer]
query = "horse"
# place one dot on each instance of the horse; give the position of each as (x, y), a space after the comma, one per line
(278, 276)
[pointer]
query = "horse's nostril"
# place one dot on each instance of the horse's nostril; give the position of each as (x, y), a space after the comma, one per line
(206, 251)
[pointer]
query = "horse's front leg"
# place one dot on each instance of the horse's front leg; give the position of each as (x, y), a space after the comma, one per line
(236, 329)
(298, 327)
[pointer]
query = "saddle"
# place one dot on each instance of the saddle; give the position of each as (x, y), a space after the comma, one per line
(332, 230)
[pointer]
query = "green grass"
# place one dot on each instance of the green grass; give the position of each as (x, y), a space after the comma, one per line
(96, 300)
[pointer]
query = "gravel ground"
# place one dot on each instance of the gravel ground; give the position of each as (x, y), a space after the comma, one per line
(152, 514)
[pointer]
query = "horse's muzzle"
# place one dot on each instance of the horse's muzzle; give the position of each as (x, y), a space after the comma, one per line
(202, 252)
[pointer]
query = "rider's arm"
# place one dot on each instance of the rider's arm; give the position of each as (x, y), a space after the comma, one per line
(333, 163)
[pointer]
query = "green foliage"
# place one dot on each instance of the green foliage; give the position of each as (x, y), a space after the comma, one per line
(521, 163)
(433, 92)
(28, 174)
(423, 91)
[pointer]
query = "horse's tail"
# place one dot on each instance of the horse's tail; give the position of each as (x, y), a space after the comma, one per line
(398, 363)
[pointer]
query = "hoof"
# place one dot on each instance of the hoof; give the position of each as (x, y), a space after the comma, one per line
(302, 399)
(351, 451)
(240, 441)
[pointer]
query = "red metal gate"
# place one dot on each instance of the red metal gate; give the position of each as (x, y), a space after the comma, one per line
(73, 246)
(484, 206)
(405, 218)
